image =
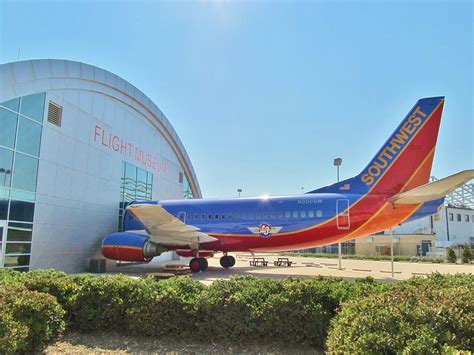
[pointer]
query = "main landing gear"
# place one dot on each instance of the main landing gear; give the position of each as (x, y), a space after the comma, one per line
(198, 264)
(227, 261)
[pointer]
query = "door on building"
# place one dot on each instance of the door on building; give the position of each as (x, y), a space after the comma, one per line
(425, 247)
(343, 215)
(3, 232)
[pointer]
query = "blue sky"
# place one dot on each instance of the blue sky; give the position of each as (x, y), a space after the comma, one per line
(265, 94)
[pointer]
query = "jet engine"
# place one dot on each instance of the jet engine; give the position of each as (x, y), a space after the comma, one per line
(128, 246)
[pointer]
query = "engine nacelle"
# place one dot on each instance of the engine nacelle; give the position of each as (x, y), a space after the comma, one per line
(127, 246)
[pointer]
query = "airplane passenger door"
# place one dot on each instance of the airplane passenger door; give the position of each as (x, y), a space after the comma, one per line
(343, 216)
(182, 217)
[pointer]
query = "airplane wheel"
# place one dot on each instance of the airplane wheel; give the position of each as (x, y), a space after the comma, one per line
(195, 265)
(227, 261)
(204, 263)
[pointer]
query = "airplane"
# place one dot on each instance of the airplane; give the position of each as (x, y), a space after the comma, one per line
(393, 188)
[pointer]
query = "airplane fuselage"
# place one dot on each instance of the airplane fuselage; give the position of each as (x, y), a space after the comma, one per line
(383, 195)
(280, 223)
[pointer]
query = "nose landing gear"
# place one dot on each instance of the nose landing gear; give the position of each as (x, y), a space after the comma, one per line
(227, 261)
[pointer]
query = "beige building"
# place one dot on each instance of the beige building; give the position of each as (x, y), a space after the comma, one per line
(403, 244)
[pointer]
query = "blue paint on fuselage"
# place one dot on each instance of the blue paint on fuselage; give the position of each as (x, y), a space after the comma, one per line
(236, 215)
(125, 239)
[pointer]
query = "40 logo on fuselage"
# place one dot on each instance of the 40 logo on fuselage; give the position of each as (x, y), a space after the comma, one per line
(265, 230)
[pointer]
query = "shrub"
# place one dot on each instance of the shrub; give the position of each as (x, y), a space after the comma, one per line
(11, 277)
(439, 281)
(291, 311)
(55, 283)
(102, 302)
(414, 259)
(232, 308)
(451, 257)
(466, 256)
(13, 334)
(299, 314)
(409, 319)
(35, 314)
(164, 308)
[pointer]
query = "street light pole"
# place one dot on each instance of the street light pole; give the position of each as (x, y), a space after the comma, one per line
(391, 251)
(239, 191)
(337, 163)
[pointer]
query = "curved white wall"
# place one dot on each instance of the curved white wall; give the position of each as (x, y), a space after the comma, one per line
(105, 121)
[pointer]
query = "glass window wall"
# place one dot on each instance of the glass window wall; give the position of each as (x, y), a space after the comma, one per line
(24, 172)
(29, 136)
(6, 164)
(32, 106)
(136, 185)
(20, 135)
(187, 193)
(13, 104)
(8, 122)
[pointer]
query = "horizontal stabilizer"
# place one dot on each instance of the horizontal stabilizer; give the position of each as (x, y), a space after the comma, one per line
(433, 191)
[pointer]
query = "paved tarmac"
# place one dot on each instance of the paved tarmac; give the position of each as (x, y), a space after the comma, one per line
(305, 267)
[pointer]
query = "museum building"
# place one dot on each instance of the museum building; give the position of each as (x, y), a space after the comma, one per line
(77, 144)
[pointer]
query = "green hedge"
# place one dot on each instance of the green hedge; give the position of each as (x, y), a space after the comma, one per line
(402, 258)
(13, 334)
(29, 320)
(406, 319)
(290, 311)
(165, 308)
(102, 303)
(316, 312)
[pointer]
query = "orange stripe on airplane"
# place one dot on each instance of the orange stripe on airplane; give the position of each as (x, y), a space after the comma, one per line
(385, 217)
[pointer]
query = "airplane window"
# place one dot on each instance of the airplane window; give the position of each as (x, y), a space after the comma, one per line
(209, 216)
(243, 215)
(272, 214)
(203, 216)
(216, 216)
(303, 214)
(311, 214)
(223, 216)
(236, 215)
(265, 215)
(287, 214)
(280, 214)
(196, 216)
(250, 215)
(295, 214)
(229, 216)
(190, 216)
(319, 213)
(258, 215)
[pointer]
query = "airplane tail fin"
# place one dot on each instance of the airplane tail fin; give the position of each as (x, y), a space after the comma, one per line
(404, 161)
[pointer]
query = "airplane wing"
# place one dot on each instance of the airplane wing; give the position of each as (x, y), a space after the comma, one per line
(433, 191)
(164, 228)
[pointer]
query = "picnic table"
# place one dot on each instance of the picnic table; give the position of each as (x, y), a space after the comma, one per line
(282, 262)
(258, 262)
